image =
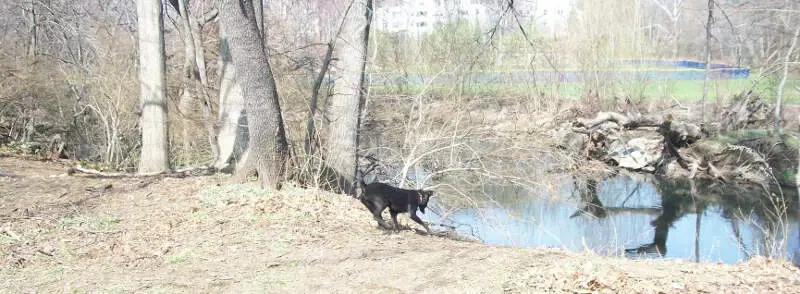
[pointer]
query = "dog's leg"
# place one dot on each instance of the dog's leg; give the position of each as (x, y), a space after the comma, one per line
(415, 218)
(376, 211)
(376, 214)
(394, 220)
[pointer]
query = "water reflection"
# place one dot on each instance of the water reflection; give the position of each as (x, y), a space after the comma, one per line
(640, 216)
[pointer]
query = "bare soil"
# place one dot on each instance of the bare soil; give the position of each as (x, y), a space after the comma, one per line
(61, 233)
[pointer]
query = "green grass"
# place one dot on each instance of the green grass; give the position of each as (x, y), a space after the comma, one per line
(683, 90)
(176, 259)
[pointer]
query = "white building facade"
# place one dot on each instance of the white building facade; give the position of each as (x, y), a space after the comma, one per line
(418, 17)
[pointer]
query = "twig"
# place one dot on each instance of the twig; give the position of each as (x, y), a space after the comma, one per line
(678, 104)
(101, 232)
(44, 252)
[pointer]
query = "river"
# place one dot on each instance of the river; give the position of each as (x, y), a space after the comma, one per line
(635, 216)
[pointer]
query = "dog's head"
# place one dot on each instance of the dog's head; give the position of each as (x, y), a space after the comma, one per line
(424, 196)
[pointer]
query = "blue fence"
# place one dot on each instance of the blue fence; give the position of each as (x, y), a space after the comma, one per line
(726, 71)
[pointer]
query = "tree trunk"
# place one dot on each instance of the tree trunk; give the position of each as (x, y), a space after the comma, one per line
(232, 135)
(708, 59)
(267, 153)
(675, 36)
(347, 99)
(208, 119)
(152, 77)
(191, 75)
(312, 139)
(258, 10)
(30, 12)
(197, 32)
(786, 61)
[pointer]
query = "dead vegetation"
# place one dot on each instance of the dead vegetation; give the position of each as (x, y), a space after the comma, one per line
(688, 147)
(200, 234)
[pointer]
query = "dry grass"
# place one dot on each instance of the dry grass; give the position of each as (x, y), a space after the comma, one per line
(77, 234)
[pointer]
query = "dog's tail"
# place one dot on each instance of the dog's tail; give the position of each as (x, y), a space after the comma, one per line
(359, 184)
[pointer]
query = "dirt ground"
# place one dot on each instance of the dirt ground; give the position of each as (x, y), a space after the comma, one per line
(61, 233)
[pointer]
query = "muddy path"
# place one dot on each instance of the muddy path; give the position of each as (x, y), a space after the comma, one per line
(62, 233)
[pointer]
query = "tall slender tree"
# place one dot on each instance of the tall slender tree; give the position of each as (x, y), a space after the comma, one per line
(30, 12)
(786, 61)
(267, 153)
(152, 78)
(191, 72)
(709, 22)
(348, 92)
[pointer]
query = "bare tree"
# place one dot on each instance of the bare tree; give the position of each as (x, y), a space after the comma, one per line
(30, 12)
(191, 72)
(152, 77)
(267, 153)
(312, 140)
(258, 10)
(347, 100)
(709, 22)
(673, 9)
(231, 123)
(782, 85)
(231, 128)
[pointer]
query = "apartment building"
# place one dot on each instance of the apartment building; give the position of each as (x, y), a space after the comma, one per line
(417, 17)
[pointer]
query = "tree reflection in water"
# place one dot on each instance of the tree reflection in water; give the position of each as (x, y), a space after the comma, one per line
(763, 209)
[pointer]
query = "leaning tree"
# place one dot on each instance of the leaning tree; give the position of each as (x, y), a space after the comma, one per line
(267, 152)
(347, 99)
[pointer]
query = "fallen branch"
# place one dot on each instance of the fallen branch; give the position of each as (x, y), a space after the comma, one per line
(182, 173)
(625, 121)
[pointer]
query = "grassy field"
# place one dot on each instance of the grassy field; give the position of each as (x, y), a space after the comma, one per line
(684, 90)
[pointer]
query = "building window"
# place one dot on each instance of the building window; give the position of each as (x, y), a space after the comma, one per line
(422, 24)
(422, 13)
(545, 12)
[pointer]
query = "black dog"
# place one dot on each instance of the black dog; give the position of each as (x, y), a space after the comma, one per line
(378, 196)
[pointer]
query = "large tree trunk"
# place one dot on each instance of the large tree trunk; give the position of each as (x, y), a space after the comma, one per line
(232, 135)
(268, 151)
(347, 99)
(152, 77)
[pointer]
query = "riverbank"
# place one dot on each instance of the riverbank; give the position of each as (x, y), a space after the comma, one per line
(64, 233)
